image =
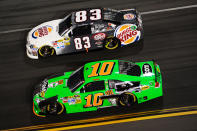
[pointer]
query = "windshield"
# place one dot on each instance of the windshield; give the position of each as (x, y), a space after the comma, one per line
(129, 68)
(76, 79)
(65, 25)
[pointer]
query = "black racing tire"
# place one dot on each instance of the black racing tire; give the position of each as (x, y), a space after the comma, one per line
(46, 51)
(127, 99)
(112, 43)
(55, 108)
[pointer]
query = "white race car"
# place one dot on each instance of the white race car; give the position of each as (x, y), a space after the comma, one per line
(85, 30)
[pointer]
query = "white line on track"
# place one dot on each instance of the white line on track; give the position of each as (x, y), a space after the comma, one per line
(16, 30)
(143, 13)
(169, 9)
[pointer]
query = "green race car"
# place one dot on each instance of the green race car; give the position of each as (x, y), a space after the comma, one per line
(97, 85)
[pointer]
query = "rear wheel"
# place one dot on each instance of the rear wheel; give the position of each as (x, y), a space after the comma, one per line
(112, 43)
(46, 51)
(127, 99)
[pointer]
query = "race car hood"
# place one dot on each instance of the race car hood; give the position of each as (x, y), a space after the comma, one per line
(57, 80)
(54, 85)
(44, 33)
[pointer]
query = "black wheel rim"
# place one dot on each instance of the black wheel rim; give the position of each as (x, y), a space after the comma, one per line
(46, 51)
(55, 108)
(126, 100)
(52, 108)
(112, 43)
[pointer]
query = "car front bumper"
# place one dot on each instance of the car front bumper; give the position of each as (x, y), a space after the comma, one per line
(31, 53)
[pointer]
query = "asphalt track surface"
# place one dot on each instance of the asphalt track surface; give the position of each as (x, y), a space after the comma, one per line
(170, 38)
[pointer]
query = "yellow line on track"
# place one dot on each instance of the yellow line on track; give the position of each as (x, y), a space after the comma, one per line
(122, 121)
(103, 118)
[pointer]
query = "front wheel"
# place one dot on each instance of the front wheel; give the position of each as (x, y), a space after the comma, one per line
(55, 108)
(127, 99)
(112, 43)
(46, 51)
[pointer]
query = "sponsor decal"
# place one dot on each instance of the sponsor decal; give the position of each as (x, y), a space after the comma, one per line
(33, 50)
(151, 83)
(37, 100)
(42, 31)
(113, 101)
(76, 99)
(144, 87)
(113, 26)
(99, 36)
(109, 92)
(99, 28)
(34, 53)
(127, 33)
(33, 47)
(60, 82)
(158, 69)
(99, 43)
(109, 28)
(65, 100)
(147, 70)
(42, 94)
(61, 43)
(44, 85)
(129, 16)
(54, 84)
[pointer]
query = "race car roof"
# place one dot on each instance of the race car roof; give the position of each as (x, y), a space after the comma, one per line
(82, 16)
(93, 70)
(111, 69)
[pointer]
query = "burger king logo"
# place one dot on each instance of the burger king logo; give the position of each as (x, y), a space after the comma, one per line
(127, 33)
(42, 31)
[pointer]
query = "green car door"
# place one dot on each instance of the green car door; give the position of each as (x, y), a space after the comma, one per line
(91, 94)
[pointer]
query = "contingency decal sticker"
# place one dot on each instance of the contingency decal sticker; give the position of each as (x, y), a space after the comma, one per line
(61, 43)
(76, 99)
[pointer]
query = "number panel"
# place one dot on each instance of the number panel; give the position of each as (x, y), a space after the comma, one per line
(87, 42)
(94, 70)
(95, 14)
(78, 44)
(88, 101)
(97, 100)
(106, 68)
(81, 43)
(83, 16)
(93, 100)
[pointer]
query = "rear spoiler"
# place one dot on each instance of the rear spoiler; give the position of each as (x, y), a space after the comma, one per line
(128, 9)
